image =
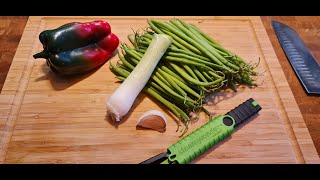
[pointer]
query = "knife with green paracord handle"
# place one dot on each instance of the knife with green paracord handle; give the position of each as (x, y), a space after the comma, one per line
(200, 140)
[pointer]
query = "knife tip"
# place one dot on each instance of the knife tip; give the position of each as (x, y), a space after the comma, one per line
(274, 22)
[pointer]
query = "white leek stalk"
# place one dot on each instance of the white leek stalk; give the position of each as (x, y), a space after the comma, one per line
(120, 102)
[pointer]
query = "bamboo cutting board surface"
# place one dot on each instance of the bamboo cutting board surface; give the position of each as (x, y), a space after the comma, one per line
(48, 119)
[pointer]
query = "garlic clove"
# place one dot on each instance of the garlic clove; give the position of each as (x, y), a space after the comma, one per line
(153, 119)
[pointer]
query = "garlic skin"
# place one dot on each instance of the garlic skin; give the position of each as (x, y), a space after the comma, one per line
(153, 119)
(121, 101)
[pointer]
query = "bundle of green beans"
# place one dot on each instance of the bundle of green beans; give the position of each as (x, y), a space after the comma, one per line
(193, 66)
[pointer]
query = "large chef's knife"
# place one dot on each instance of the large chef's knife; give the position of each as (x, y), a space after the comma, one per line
(302, 61)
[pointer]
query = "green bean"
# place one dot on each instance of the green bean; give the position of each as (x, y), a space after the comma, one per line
(133, 53)
(191, 41)
(204, 35)
(174, 85)
(163, 79)
(157, 30)
(188, 53)
(196, 60)
(168, 96)
(186, 61)
(203, 44)
(185, 87)
(182, 42)
(132, 40)
(190, 71)
(121, 78)
(144, 44)
(122, 66)
(182, 115)
(214, 74)
(169, 71)
(125, 62)
(196, 33)
(182, 52)
(174, 73)
(145, 39)
(214, 43)
(222, 51)
(135, 61)
(192, 80)
(138, 53)
(148, 35)
(198, 73)
(187, 99)
(207, 76)
(118, 70)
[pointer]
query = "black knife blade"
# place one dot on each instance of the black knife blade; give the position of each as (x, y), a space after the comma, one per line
(302, 61)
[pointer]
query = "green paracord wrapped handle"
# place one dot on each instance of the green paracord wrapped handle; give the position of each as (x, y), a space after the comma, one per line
(210, 134)
(200, 140)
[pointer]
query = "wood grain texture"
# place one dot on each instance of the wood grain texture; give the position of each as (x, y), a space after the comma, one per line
(49, 119)
(11, 29)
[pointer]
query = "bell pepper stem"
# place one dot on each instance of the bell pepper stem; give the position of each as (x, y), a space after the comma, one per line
(42, 54)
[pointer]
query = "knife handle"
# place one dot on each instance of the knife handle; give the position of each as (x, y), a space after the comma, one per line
(211, 133)
(244, 111)
(200, 140)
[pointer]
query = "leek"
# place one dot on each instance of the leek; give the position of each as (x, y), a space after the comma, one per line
(120, 102)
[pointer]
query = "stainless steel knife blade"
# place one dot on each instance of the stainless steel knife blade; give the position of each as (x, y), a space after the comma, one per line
(302, 61)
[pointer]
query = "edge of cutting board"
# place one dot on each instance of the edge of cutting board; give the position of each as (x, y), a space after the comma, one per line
(12, 94)
(296, 128)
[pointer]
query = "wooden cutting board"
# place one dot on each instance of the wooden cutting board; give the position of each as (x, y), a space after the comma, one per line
(48, 119)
